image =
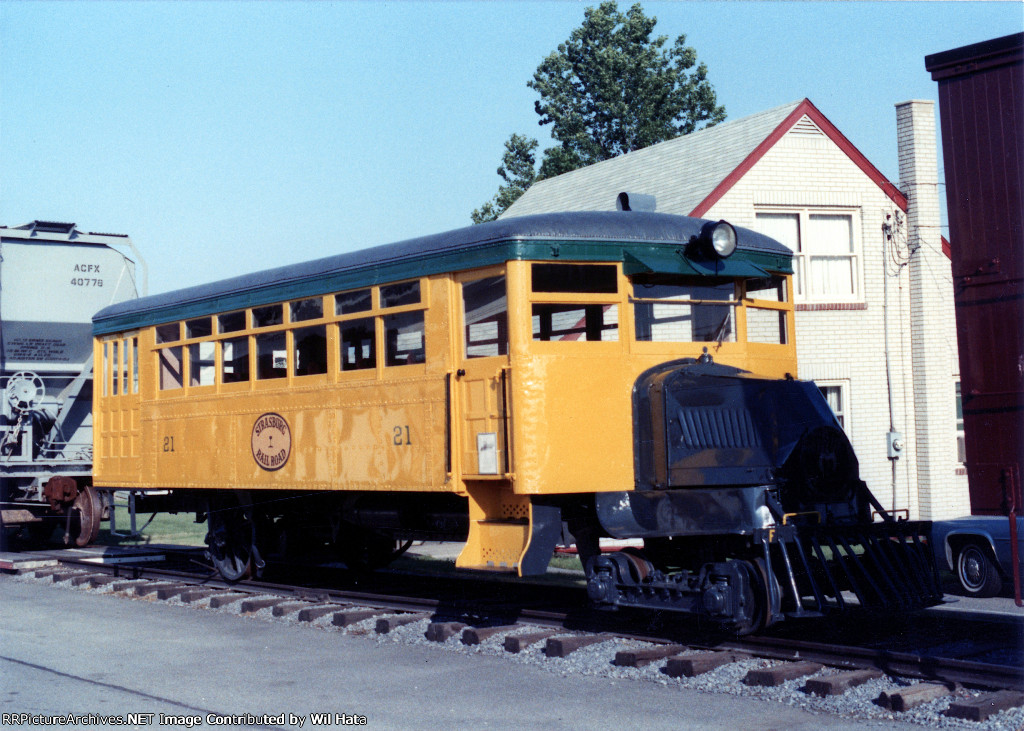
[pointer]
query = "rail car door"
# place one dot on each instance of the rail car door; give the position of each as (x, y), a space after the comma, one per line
(481, 379)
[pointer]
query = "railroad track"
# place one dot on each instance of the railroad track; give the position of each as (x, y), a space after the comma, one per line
(817, 667)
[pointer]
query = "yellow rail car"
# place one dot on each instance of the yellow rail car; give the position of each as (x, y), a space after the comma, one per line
(479, 385)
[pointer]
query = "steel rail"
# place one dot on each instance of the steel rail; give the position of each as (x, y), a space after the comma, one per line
(900, 663)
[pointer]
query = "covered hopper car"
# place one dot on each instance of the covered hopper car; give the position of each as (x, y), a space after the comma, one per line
(53, 278)
(507, 385)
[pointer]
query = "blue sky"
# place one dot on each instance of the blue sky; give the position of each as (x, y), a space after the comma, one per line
(228, 137)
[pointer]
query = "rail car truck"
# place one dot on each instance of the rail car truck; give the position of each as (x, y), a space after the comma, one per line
(503, 384)
(53, 278)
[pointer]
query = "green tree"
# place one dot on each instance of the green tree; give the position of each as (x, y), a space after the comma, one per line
(517, 170)
(609, 89)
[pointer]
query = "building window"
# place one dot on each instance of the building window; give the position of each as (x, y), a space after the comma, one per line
(961, 448)
(836, 394)
(825, 252)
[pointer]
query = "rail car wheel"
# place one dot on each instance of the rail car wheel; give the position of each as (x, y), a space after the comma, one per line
(86, 515)
(231, 537)
(976, 572)
(758, 598)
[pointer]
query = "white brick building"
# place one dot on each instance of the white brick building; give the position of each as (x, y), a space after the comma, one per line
(871, 272)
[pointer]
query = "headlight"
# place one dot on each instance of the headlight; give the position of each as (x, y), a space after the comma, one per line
(719, 238)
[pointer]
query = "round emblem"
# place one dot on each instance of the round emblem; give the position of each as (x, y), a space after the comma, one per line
(271, 441)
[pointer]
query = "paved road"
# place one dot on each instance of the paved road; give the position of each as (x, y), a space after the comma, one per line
(72, 652)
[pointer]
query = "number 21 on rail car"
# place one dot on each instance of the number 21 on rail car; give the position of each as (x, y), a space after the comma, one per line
(625, 374)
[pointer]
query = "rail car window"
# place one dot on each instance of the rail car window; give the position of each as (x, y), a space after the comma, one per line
(396, 295)
(677, 310)
(135, 365)
(575, 322)
(169, 333)
(578, 278)
(199, 328)
(271, 355)
(116, 368)
(349, 302)
(358, 344)
(235, 360)
(231, 322)
(170, 368)
(485, 311)
(309, 356)
(307, 309)
(201, 366)
(403, 337)
(766, 326)
(267, 316)
(772, 289)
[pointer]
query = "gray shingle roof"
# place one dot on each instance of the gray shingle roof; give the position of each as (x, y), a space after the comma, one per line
(680, 173)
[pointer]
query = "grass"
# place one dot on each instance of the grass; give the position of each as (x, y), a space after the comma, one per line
(174, 528)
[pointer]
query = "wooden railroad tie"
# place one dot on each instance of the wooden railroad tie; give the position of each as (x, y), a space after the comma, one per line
(476, 635)
(223, 600)
(353, 616)
(640, 658)
(841, 682)
(688, 666)
(103, 580)
(989, 704)
(254, 605)
(518, 643)
(169, 592)
(152, 587)
(906, 698)
(284, 608)
(441, 631)
(564, 646)
(85, 579)
(386, 624)
(779, 674)
(195, 595)
(311, 613)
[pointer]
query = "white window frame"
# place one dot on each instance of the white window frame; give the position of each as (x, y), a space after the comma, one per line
(961, 445)
(802, 254)
(843, 415)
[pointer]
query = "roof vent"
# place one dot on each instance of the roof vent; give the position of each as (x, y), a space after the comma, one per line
(635, 202)
(52, 227)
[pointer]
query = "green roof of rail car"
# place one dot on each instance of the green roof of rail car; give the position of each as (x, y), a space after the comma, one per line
(642, 241)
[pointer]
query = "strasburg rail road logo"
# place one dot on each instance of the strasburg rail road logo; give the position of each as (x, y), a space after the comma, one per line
(271, 441)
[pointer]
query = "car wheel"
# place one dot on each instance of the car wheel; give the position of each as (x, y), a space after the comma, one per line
(977, 574)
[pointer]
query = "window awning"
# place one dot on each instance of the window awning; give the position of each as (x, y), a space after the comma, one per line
(667, 262)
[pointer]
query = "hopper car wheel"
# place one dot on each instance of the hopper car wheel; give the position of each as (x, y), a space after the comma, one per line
(86, 514)
(976, 572)
(232, 536)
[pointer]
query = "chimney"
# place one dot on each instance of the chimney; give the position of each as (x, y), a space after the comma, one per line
(932, 318)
